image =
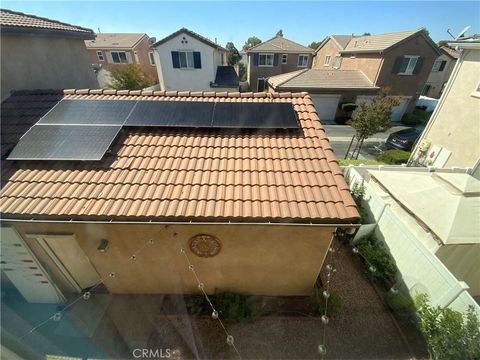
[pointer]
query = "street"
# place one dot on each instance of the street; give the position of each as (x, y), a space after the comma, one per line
(341, 135)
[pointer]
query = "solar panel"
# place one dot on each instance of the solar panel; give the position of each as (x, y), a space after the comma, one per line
(64, 142)
(89, 112)
(171, 113)
(255, 115)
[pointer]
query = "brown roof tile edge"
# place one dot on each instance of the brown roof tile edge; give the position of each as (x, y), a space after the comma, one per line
(222, 94)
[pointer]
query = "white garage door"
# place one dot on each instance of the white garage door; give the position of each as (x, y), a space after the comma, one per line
(397, 111)
(326, 106)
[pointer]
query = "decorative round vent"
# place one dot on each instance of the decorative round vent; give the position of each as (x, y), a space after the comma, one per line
(204, 245)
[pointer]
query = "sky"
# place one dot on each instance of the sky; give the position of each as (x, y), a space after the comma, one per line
(302, 22)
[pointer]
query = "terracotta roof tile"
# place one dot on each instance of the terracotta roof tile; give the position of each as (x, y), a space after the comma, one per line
(188, 174)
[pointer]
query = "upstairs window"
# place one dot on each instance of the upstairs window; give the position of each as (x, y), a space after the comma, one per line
(337, 62)
(186, 60)
(407, 65)
(265, 60)
(284, 58)
(119, 57)
(100, 56)
(302, 60)
(439, 65)
(151, 58)
(326, 62)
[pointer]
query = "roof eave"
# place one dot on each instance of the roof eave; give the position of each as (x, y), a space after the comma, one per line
(48, 32)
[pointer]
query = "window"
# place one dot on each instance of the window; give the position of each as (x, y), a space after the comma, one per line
(119, 57)
(151, 58)
(337, 62)
(260, 85)
(327, 60)
(302, 60)
(265, 60)
(284, 58)
(100, 56)
(439, 65)
(408, 65)
(186, 60)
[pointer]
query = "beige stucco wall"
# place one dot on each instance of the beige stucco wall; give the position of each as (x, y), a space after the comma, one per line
(44, 62)
(437, 79)
(455, 125)
(254, 259)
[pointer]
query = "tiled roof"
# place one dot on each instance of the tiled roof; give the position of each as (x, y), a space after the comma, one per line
(174, 174)
(17, 21)
(342, 40)
(192, 34)
(280, 44)
(321, 79)
(117, 40)
(450, 52)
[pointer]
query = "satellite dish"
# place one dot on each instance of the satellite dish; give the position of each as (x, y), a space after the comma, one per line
(463, 32)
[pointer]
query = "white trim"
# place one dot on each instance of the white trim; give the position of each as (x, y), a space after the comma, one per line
(118, 54)
(284, 56)
(264, 83)
(151, 58)
(335, 60)
(266, 55)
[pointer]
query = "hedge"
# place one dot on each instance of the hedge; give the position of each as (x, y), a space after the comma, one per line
(394, 157)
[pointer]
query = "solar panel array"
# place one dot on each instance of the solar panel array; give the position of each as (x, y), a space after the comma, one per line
(85, 129)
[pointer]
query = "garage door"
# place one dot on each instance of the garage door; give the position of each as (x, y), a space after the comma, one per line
(326, 106)
(397, 111)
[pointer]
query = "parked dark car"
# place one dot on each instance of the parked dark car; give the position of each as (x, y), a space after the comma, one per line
(403, 139)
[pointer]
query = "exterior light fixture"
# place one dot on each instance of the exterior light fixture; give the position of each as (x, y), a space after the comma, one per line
(103, 246)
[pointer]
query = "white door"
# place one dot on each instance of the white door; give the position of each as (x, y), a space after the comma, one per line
(326, 106)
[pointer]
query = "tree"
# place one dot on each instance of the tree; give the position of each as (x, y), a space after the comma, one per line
(242, 69)
(366, 34)
(233, 56)
(449, 334)
(251, 42)
(279, 33)
(129, 77)
(314, 45)
(371, 118)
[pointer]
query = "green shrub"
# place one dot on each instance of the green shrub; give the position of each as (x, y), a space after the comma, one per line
(416, 117)
(317, 300)
(449, 334)
(401, 303)
(345, 162)
(394, 157)
(376, 254)
(230, 305)
(347, 107)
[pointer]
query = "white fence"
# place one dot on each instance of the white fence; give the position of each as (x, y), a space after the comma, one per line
(412, 248)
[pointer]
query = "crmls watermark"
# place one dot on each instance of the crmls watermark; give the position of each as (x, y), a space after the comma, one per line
(152, 353)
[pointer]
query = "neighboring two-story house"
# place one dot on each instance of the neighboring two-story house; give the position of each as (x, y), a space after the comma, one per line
(186, 60)
(273, 57)
(440, 73)
(352, 68)
(40, 53)
(108, 51)
(451, 137)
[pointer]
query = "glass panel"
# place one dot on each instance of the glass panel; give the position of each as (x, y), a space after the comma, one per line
(262, 59)
(269, 59)
(190, 59)
(123, 57)
(183, 59)
(115, 57)
(404, 65)
(338, 62)
(411, 65)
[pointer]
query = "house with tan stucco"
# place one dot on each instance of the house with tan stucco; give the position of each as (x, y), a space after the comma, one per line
(352, 69)
(41, 53)
(253, 205)
(452, 136)
(186, 60)
(441, 70)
